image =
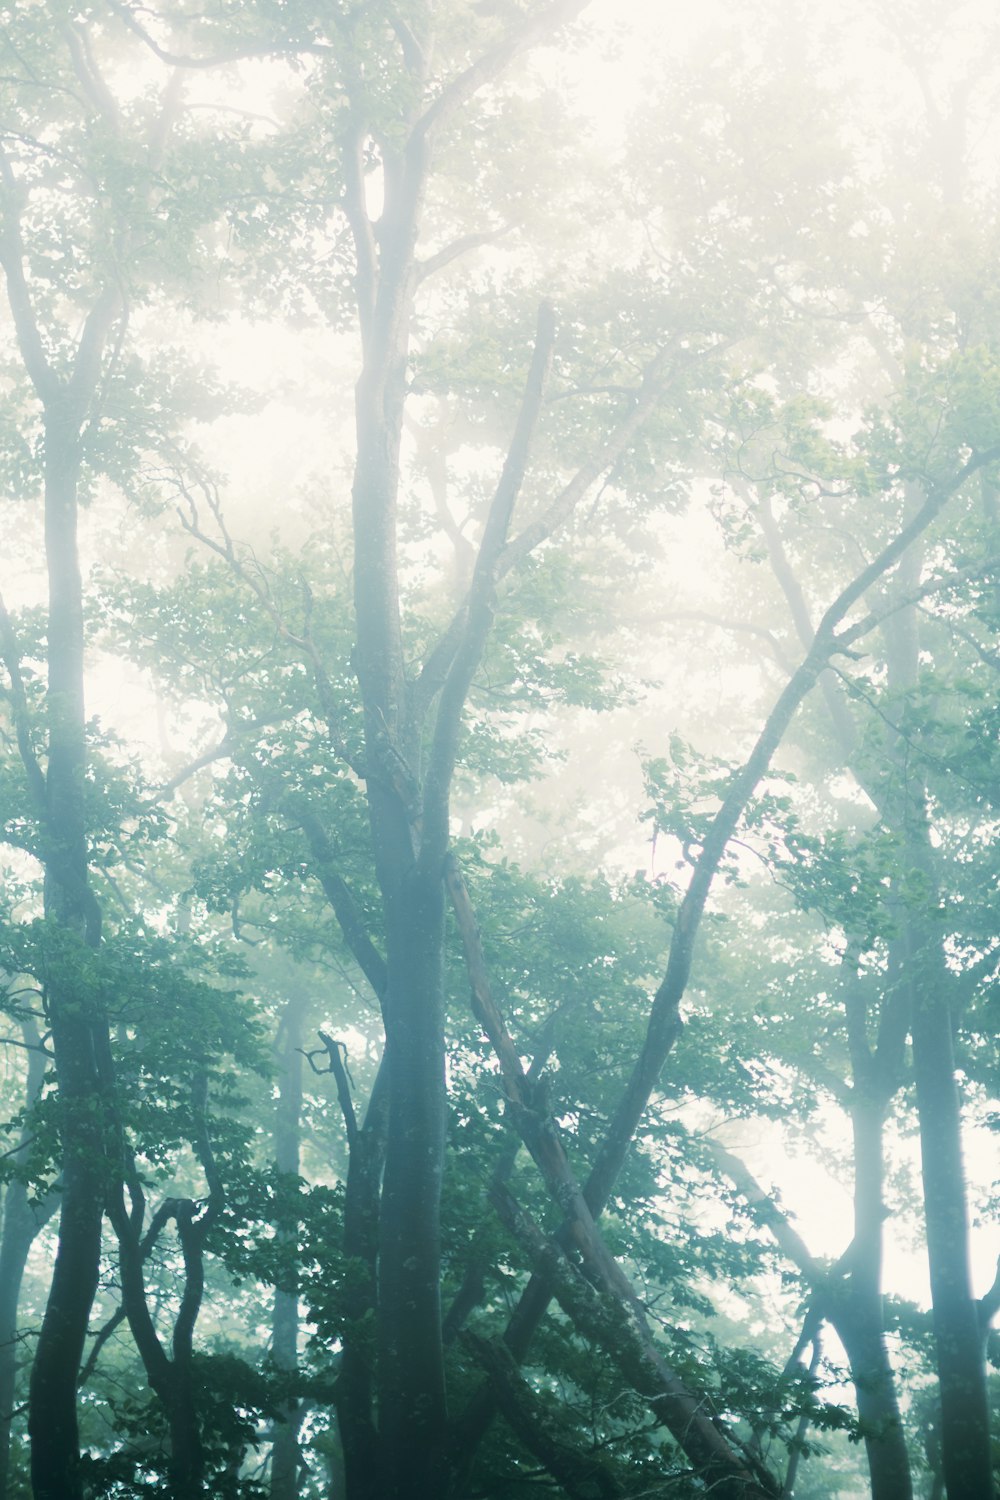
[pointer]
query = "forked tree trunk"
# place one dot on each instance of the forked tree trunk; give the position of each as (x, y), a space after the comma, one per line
(407, 809)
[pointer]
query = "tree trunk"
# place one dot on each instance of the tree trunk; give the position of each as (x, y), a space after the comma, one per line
(857, 1310)
(615, 1325)
(79, 1030)
(285, 1317)
(355, 1417)
(411, 1392)
(410, 1368)
(859, 1327)
(172, 1380)
(22, 1221)
(965, 1423)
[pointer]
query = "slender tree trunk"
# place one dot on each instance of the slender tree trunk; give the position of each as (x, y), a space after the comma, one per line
(857, 1310)
(91, 1138)
(79, 1030)
(355, 1416)
(22, 1221)
(965, 1421)
(285, 1317)
(965, 1426)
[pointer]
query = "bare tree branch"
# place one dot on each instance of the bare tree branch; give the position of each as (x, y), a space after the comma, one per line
(726, 1466)
(255, 580)
(664, 1021)
(348, 913)
(86, 69)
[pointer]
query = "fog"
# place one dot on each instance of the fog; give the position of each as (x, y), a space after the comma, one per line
(498, 750)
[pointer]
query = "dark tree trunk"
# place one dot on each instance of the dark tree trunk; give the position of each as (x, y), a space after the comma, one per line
(965, 1421)
(22, 1221)
(79, 1030)
(89, 1130)
(410, 1363)
(361, 1229)
(171, 1380)
(859, 1327)
(857, 1308)
(410, 1360)
(408, 805)
(285, 1316)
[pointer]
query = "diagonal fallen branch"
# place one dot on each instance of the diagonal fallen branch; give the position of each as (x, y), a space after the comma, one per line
(723, 1464)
